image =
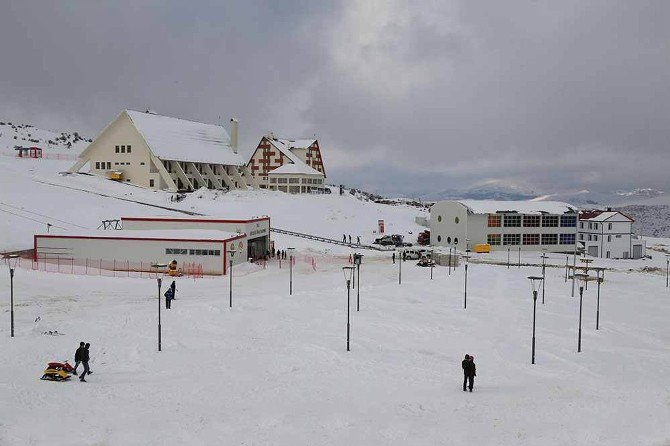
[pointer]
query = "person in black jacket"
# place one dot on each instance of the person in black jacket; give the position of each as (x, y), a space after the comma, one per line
(77, 356)
(469, 372)
(84, 361)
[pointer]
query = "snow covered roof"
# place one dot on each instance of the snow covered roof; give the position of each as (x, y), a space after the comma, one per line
(297, 166)
(598, 215)
(197, 218)
(521, 207)
(182, 140)
(168, 234)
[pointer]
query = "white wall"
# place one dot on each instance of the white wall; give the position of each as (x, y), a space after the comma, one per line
(475, 228)
(121, 250)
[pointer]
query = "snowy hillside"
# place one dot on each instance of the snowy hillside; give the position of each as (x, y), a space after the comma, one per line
(25, 135)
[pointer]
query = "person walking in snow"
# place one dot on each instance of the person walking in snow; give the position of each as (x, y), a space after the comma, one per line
(350, 239)
(358, 239)
(77, 357)
(170, 295)
(393, 256)
(344, 238)
(84, 360)
(469, 372)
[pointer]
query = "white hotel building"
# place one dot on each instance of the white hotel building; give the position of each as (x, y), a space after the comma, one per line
(609, 234)
(529, 225)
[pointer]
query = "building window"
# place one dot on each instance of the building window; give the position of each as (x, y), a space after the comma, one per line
(456, 220)
(568, 239)
(608, 254)
(495, 221)
(595, 225)
(493, 239)
(449, 240)
(549, 239)
(531, 239)
(609, 238)
(294, 180)
(531, 221)
(590, 225)
(117, 149)
(581, 225)
(595, 238)
(97, 165)
(439, 218)
(282, 180)
(151, 182)
(512, 221)
(568, 221)
(512, 239)
(609, 226)
(123, 149)
(128, 149)
(455, 240)
(590, 237)
(273, 180)
(439, 238)
(109, 164)
(581, 236)
(618, 236)
(550, 221)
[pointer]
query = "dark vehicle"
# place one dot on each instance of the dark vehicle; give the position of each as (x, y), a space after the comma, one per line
(391, 240)
(424, 238)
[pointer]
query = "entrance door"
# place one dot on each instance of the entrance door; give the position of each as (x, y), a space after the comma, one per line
(593, 251)
(637, 251)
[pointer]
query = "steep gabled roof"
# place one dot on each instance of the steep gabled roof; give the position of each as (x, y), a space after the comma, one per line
(297, 165)
(597, 215)
(182, 140)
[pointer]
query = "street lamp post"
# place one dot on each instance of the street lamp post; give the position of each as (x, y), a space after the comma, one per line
(358, 259)
(465, 288)
(11, 260)
(667, 271)
(508, 252)
(159, 279)
(348, 274)
(544, 277)
(519, 256)
(432, 264)
(586, 263)
(535, 283)
(599, 279)
(231, 253)
(290, 277)
(566, 268)
(449, 266)
(583, 279)
(574, 269)
(400, 253)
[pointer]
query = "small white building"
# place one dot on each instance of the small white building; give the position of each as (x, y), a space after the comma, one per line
(161, 152)
(288, 165)
(141, 248)
(528, 225)
(256, 230)
(609, 234)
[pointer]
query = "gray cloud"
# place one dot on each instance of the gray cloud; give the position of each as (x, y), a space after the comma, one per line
(545, 95)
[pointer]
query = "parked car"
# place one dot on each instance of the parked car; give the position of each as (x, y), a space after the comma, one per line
(412, 254)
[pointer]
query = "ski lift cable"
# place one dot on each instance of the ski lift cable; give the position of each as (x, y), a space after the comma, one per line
(42, 215)
(32, 219)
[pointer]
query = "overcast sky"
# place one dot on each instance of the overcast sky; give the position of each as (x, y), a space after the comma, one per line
(403, 96)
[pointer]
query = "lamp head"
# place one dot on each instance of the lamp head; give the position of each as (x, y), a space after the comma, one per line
(11, 260)
(348, 272)
(535, 282)
(582, 279)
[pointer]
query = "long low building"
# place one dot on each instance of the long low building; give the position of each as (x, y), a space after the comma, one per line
(528, 225)
(256, 230)
(206, 248)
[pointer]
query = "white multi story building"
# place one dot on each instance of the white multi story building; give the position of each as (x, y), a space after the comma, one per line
(160, 152)
(528, 225)
(609, 234)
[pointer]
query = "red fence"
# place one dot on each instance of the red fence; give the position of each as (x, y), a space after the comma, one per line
(107, 268)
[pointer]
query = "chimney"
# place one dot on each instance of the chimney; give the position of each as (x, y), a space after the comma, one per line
(609, 209)
(233, 134)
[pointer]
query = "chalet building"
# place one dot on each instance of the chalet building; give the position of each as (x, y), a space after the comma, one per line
(609, 234)
(527, 225)
(160, 152)
(288, 165)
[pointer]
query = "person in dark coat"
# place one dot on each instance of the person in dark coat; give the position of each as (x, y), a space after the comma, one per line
(350, 239)
(393, 257)
(170, 294)
(84, 361)
(344, 238)
(469, 372)
(358, 239)
(77, 357)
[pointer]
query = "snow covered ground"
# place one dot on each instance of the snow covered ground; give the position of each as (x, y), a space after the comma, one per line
(274, 369)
